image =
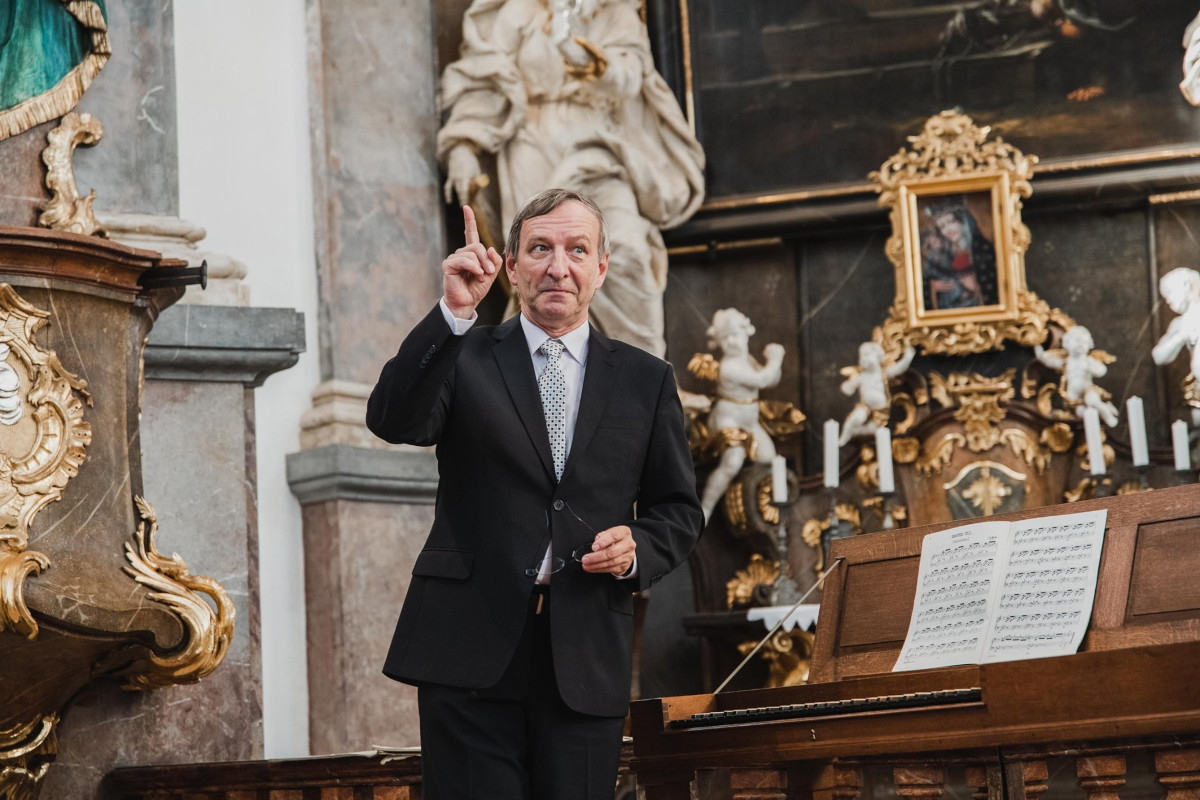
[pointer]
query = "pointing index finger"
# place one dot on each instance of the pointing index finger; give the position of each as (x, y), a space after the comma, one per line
(471, 229)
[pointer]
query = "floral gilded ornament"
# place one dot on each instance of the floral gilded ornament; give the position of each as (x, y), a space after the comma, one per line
(39, 452)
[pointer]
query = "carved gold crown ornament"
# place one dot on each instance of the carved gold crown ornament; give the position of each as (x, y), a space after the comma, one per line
(42, 442)
(980, 404)
(975, 299)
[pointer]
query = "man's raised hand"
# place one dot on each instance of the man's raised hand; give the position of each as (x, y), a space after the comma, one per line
(468, 272)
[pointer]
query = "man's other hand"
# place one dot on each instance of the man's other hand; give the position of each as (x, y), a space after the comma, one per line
(612, 551)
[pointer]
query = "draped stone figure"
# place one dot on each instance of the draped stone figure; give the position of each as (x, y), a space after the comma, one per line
(1190, 85)
(564, 93)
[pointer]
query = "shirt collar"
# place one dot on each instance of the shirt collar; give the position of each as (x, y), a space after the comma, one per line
(575, 343)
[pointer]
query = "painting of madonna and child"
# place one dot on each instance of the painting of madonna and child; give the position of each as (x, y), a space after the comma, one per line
(957, 252)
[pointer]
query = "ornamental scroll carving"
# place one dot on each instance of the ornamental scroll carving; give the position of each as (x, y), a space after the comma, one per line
(40, 451)
(209, 633)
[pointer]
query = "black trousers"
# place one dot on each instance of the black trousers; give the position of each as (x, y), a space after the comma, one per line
(516, 740)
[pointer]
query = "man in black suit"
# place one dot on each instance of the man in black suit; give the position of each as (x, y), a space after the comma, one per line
(565, 486)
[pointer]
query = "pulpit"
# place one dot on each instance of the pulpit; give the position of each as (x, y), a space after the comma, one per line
(84, 593)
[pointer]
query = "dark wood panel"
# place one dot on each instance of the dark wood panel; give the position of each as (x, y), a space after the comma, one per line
(1164, 578)
(878, 602)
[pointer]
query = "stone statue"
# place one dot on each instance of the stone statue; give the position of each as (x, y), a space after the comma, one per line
(1181, 289)
(735, 413)
(870, 379)
(564, 93)
(1079, 364)
(1190, 86)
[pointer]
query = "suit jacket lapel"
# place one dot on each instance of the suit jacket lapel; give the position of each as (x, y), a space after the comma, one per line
(597, 386)
(512, 355)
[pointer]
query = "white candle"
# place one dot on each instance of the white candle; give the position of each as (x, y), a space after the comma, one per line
(831, 454)
(1179, 438)
(883, 451)
(779, 490)
(1137, 431)
(1095, 445)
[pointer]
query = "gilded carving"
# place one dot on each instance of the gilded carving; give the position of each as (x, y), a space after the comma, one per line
(209, 632)
(39, 452)
(66, 210)
(985, 488)
(906, 450)
(815, 527)
(741, 589)
(950, 160)
(979, 404)
(980, 408)
(24, 757)
(788, 655)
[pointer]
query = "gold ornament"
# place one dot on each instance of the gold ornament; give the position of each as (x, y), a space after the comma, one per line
(41, 448)
(208, 633)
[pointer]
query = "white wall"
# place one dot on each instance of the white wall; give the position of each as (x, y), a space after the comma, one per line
(245, 176)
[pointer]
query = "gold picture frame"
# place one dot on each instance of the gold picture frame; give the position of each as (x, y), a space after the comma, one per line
(960, 265)
(958, 243)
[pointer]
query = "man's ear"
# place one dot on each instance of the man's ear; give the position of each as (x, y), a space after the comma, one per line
(603, 271)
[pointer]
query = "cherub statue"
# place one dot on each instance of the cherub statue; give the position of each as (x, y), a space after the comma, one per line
(1190, 85)
(735, 414)
(1079, 364)
(870, 379)
(1181, 289)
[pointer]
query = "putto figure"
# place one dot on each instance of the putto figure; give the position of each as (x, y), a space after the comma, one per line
(1181, 289)
(735, 412)
(870, 379)
(1079, 364)
(566, 94)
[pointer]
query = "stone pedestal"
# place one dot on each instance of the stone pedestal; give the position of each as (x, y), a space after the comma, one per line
(366, 514)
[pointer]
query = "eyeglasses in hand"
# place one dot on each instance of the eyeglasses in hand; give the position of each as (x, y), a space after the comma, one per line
(546, 567)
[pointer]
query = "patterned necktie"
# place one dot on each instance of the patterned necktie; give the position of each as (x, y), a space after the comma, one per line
(553, 386)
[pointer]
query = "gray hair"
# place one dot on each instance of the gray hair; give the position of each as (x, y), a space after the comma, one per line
(542, 204)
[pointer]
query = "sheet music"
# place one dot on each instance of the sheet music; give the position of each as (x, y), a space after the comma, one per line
(1046, 592)
(1001, 591)
(954, 589)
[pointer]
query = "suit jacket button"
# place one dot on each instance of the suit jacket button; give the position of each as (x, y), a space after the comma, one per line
(558, 505)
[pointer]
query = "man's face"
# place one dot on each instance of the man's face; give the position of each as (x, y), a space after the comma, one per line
(559, 267)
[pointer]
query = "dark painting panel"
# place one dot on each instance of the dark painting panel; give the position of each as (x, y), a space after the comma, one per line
(807, 94)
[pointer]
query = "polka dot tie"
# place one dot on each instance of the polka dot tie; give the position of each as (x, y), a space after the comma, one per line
(553, 386)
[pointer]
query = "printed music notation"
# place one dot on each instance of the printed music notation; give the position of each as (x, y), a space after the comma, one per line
(1003, 591)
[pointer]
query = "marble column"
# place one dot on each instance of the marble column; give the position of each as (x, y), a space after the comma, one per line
(379, 242)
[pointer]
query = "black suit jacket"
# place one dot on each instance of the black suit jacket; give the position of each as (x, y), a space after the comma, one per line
(476, 398)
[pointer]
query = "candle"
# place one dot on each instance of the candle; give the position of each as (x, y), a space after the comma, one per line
(1179, 438)
(779, 490)
(1137, 431)
(831, 454)
(1095, 445)
(883, 449)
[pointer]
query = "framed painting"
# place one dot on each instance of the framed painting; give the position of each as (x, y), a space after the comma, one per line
(958, 255)
(958, 243)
